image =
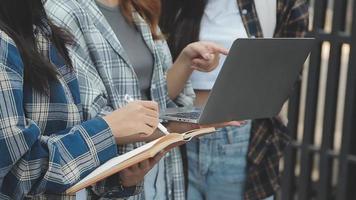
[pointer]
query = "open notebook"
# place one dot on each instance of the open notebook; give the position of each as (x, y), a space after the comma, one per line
(138, 155)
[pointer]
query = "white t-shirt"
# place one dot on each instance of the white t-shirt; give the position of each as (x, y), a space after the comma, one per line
(222, 24)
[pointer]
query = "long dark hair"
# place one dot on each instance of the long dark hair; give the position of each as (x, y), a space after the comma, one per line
(17, 19)
(180, 22)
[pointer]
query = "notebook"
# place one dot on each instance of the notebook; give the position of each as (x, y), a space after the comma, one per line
(138, 155)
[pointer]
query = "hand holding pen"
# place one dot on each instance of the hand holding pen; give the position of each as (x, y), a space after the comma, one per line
(163, 129)
(138, 117)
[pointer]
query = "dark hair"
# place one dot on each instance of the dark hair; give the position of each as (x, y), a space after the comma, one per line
(17, 19)
(180, 22)
(150, 10)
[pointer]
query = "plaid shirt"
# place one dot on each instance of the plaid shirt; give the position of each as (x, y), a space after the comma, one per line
(108, 75)
(45, 146)
(269, 136)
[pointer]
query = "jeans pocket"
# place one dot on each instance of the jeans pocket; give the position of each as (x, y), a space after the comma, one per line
(235, 149)
(230, 164)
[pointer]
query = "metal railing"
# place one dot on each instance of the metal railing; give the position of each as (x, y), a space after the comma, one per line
(321, 162)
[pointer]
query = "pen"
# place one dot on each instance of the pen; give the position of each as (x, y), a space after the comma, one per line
(163, 129)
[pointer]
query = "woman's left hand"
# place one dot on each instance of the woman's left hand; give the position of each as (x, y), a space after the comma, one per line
(135, 174)
(202, 56)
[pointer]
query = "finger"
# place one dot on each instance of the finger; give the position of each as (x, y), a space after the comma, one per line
(202, 50)
(151, 113)
(215, 48)
(236, 123)
(202, 62)
(203, 65)
(243, 122)
(216, 59)
(200, 69)
(233, 123)
(152, 105)
(146, 130)
(151, 121)
(221, 125)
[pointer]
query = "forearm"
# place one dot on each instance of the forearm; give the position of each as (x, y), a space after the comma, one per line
(54, 156)
(177, 77)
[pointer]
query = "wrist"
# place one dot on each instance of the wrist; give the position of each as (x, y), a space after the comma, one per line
(108, 122)
(114, 127)
(185, 62)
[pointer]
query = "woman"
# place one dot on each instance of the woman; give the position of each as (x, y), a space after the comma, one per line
(120, 44)
(223, 21)
(45, 145)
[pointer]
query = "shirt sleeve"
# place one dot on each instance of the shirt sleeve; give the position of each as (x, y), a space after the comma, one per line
(32, 163)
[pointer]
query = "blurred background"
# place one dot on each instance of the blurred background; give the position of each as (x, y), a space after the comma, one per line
(321, 162)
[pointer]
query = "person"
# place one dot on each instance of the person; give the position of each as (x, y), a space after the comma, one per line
(238, 162)
(121, 45)
(45, 144)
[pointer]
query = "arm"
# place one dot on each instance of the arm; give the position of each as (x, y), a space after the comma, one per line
(34, 163)
(177, 77)
(187, 95)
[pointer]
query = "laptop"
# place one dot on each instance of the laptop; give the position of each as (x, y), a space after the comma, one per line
(255, 81)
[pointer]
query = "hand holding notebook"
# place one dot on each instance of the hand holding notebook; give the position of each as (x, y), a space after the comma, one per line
(138, 155)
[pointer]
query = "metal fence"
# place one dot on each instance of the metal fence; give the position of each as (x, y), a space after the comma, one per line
(321, 162)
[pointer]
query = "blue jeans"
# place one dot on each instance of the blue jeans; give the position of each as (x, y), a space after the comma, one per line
(155, 183)
(217, 164)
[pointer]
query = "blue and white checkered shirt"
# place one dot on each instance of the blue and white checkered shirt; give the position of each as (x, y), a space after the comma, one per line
(45, 146)
(106, 74)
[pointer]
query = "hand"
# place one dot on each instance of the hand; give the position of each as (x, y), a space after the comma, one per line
(224, 124)
(137, 117)
(135, 174)
(202, 56)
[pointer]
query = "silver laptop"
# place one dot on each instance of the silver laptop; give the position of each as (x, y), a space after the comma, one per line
(256, 79)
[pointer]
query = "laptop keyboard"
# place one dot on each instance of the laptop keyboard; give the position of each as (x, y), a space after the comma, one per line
(188, 115)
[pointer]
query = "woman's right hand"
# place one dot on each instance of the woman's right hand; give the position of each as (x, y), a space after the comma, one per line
(137, 117)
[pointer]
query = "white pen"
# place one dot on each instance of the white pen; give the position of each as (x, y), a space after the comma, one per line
(163, 129)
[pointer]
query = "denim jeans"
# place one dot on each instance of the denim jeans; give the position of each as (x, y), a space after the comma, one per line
(217, 164)
(155, 183)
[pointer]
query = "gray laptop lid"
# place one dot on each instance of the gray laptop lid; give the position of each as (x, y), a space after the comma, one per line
(256, 79)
